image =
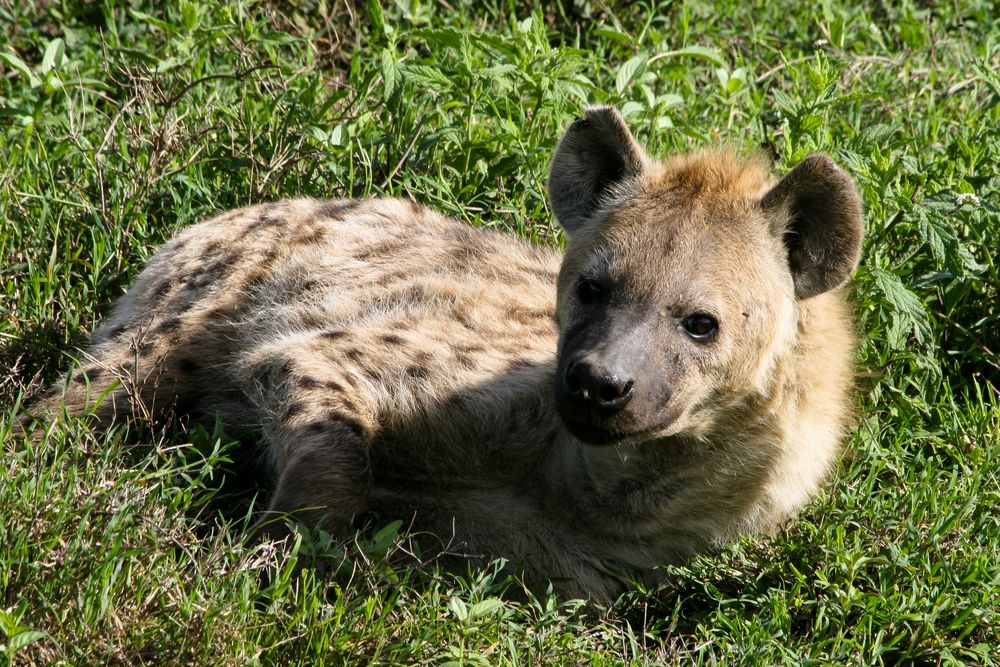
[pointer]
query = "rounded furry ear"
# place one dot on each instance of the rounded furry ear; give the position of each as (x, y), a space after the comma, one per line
(596, 153)
(817, 210)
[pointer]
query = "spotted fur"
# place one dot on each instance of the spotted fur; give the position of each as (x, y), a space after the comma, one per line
(397, 361)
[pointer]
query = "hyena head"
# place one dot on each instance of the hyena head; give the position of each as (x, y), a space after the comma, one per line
(677, 296)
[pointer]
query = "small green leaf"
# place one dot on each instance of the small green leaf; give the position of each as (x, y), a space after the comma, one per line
(390, 73)
(458, 609)
(339, 136)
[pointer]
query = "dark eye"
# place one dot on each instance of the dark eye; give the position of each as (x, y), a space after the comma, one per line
(701, 327)
(589, 291)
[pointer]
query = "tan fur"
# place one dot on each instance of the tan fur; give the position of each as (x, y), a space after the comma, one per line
(395, 360)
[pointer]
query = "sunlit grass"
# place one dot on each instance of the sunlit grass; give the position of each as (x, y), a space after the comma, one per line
(121, 123)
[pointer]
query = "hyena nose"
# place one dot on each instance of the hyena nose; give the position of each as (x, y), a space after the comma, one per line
(608, 389)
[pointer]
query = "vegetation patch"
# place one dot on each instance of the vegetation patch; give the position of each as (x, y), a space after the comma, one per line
(123, 122)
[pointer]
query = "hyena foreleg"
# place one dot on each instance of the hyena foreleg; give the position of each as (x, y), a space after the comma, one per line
(317, 439)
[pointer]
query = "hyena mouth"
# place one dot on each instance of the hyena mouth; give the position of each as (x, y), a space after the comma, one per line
(607, 435)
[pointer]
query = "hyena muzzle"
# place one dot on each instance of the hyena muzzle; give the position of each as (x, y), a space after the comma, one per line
(681, 375)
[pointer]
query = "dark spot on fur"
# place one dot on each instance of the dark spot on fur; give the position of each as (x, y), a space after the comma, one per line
(308, 383)
(255, 279)
(336, 418)
(391, 278)
(265, 221)
(212, 247)
(391, 339)
(463, 318)
(294, 409)
(379, 249)
(417, 372)
(355, 427)
(332, 386)
(168, 325)
(465, 361)
(94, 372)
(162, 288)
(462, 234)
(508, 278)
(221, 312)
(336, 210)
(525, 316)
(181, 306)
(333, 335)
(354, 354)
(115, 331)
(308, 236)
(470, 347)
(466, 254)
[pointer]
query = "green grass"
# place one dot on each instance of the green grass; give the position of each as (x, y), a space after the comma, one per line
(121, 123)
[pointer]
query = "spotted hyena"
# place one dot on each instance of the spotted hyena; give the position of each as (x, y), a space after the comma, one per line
(680, 376)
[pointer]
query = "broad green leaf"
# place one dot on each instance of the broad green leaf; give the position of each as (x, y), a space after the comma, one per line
(484, 608)
(53, 57)
(447, 37)
(908, 312)
(21, 67)
(629, 72)
(22, 639)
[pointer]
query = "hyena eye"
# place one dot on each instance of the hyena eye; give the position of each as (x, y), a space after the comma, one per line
(701, 326)
(589, 291)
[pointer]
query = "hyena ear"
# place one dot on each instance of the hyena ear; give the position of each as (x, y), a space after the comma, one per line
(817, 210)
(596, 153)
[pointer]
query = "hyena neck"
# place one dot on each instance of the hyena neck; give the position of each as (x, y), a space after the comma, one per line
(648, 489)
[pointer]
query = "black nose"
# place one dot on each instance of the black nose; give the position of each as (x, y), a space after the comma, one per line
(605, 388)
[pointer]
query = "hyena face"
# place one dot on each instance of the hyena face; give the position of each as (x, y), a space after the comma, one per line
(679, 285)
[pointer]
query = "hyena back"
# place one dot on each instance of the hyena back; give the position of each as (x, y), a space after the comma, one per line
(681, 375)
